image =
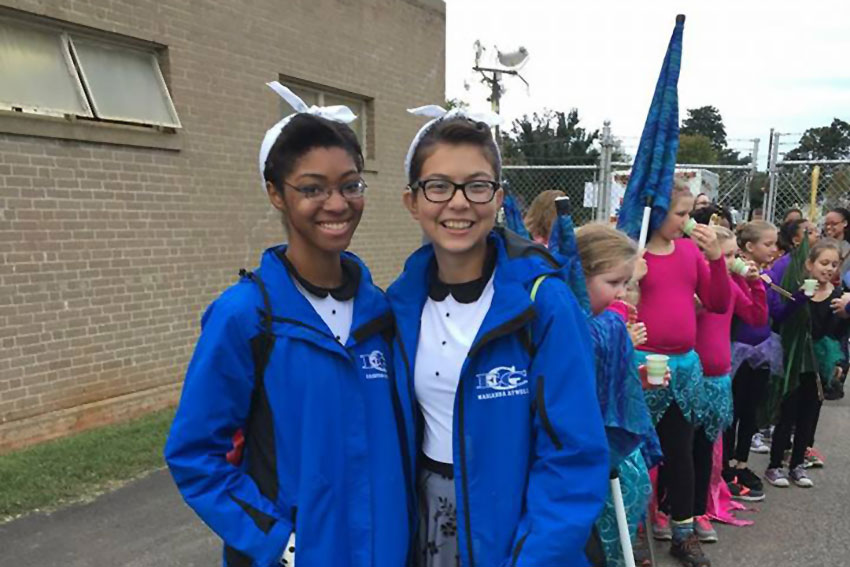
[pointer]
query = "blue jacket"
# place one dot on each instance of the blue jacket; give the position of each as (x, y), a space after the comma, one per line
(530, 453)
(322, 439)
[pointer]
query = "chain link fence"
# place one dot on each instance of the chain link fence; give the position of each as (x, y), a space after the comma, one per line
(595, 190)
(792, 183)
(578, 182)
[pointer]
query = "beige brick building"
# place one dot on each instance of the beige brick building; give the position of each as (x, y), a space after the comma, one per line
(115, 233)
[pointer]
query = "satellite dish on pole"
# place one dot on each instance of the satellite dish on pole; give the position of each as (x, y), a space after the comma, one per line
(513, 60)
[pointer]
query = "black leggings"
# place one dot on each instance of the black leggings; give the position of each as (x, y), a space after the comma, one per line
(676, 474)
(799, 412)
(703, 457)
(749, 387)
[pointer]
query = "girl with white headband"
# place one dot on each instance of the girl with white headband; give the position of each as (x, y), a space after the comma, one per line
(297, 356)
(495, 370)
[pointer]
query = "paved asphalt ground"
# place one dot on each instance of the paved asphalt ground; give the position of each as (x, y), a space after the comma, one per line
(146, 524)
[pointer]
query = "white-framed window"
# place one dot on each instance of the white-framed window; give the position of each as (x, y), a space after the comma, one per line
(315, 96)
(56, 72)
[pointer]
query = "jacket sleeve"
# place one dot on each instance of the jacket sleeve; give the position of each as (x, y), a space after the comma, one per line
(568, 480)
(750, 302)
(214, 404)
(713, 285)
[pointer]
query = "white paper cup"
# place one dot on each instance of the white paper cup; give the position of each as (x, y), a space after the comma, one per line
(809, 286)
(656, 368)
(740, 267)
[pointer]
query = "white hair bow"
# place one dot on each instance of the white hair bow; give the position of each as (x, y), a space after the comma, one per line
(438, 113)
(336, 113)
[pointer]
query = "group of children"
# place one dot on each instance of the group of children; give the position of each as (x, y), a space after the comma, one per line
(743, 353)
(473, 414)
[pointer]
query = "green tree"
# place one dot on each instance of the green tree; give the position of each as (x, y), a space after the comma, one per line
(696, 148)
(707, 121)
(549, 138)
(825, 142)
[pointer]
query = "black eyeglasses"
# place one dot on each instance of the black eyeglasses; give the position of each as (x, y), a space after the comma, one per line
(442, 190)
(350, 190)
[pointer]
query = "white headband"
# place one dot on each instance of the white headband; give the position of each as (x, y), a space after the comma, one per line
(336, 113)
(438, 113)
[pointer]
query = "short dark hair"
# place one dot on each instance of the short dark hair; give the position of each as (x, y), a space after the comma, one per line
(792, 210)
(300, 135)
(787, 232)
(455, 131)
(703, 215)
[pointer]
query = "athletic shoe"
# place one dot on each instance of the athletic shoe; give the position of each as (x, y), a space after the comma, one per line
(751, 480)
(689, 552)
(813, 459)
(798, 475)
(704, 530)
(745, 493)
(741, 492)
(661, 529)
(759, 444)
(777, 477)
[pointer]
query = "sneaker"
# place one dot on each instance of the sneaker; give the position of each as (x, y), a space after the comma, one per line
(759, 444)
(813, 459)
(704, 530)
(689, 552)
(741, 492)
(751, 480)
(661, 529)
(798, 475)
(777, 477)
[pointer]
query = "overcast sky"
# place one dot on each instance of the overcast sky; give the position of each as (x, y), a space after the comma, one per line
(763, 64)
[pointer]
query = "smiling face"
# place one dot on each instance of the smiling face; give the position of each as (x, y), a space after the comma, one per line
(609, 286)
(835, 225)
(823, 267)
(456, 227)
(317, 226)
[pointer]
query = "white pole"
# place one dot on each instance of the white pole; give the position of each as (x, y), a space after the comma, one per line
(622, 522)
(644, 228)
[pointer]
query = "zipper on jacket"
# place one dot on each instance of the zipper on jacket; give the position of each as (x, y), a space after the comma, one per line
(505, 328)
(402, 434)
(544, 417)
(464, 485)
(518, 549)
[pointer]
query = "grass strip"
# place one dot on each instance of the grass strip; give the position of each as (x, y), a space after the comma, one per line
(76, 467)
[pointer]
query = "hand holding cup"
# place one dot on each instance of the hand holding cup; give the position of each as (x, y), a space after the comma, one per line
(707, 240)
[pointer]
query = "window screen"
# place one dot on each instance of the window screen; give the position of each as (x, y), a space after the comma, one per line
(125, 84)
(37, 74)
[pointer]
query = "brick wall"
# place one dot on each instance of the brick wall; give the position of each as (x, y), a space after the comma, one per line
(110, 253)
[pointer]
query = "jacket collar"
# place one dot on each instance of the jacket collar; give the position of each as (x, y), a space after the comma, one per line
(371, 311)
(518, 263)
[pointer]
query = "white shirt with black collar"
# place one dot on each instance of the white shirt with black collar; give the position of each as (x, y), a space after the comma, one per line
(450, 321)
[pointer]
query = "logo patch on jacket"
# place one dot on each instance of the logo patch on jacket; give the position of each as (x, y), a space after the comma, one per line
(376, 363)
(501, 382)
